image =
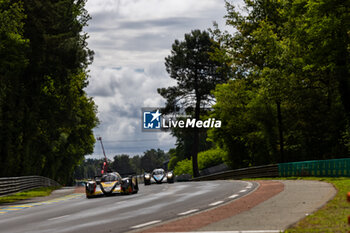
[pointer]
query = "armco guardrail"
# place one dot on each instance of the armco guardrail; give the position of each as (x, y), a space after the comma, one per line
(139, 179)
(250, 172)
(10, 185)
(321, 168)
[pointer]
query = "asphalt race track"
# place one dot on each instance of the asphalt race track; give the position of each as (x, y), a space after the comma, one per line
(153, 204)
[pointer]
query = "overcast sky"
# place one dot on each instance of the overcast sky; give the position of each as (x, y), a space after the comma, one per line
(130, 39)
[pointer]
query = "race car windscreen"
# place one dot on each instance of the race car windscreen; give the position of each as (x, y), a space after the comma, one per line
(158, 172)
(109, 178)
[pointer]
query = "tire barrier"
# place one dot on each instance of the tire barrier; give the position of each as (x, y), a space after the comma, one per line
(9, 185)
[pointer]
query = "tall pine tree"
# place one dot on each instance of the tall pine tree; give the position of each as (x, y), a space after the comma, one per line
(196, 75)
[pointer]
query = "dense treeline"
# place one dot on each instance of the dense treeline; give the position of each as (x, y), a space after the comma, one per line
(46, 118)
(124, 164)
(286, 100)
(289, 91)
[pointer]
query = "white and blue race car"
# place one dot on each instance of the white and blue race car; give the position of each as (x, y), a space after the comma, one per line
(158, 176)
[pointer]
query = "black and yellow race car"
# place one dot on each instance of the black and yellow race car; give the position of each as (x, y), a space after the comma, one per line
(111, 183)
(158, 176)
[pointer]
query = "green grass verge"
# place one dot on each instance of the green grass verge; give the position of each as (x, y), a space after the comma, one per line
(37, 192)
(333, 217)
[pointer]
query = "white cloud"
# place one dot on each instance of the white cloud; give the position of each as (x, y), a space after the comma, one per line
(147, 9)
(131, 38)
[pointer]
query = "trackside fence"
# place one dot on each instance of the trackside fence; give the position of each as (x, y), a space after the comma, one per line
(320, 168)
(10, 185)
(323, 168)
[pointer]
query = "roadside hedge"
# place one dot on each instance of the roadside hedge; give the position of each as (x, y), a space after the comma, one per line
(206, 159)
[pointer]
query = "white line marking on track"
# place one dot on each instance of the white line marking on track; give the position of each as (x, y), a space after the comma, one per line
(216, 203)
(146, 224)
(188, 212)
(233, 196)
(243, 190)
(63, 216)
(119, 202)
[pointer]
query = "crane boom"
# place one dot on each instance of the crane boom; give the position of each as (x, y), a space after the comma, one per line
(105, 164)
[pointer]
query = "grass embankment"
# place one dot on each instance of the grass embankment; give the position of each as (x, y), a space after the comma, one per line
(37, 192)
(333, 217)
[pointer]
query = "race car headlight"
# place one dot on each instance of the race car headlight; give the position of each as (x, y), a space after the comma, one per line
(91, 187)
(147, 176)
(169, 175)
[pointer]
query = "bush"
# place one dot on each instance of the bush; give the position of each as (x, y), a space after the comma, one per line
(173, 162)
(206, 159)
(183, 167)
(211, 158)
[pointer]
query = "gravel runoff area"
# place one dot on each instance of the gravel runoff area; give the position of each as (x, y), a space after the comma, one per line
(273, 207)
